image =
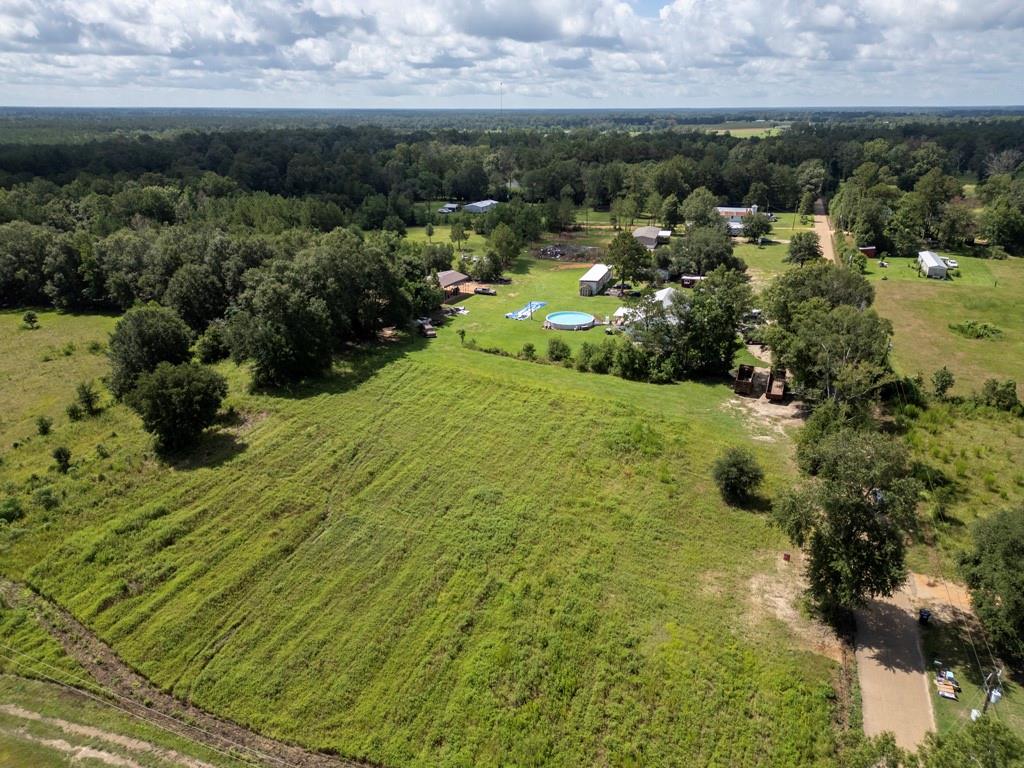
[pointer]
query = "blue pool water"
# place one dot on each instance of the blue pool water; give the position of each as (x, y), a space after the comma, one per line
(571, 320)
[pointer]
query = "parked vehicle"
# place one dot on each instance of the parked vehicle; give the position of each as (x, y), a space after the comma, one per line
(483, 290)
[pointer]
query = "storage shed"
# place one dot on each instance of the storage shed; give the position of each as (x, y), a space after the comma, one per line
(595, 280)
(480, 206)
(931, 265)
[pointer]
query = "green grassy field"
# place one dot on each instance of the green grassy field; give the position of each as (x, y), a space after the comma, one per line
(922, 310)
(442, 234)
(44, 726)
(433, 557)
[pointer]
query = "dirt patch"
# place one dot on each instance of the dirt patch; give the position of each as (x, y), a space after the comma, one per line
(247, 420)
(777, 594)
(75, 753)
(136, 694)
(88, 732)
(576, 265)
(771, 420)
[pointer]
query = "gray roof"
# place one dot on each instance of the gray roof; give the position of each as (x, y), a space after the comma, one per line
(450, 277)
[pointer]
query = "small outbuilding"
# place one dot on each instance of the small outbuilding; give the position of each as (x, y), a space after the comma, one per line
(736, 214)
(447, 208)
(595, 280)
(931, 265)
(480, 206)
(450, 280)
(650, 237)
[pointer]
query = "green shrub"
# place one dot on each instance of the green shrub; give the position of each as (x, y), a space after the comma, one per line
(737, 475)
(975, 329)
(212, 346)
(74, 412)
(558, 350)
(529, 351)
(999, 394)
(11, 509)
(46, 498)
(88, 398)
(31, 320)
(62, 456)
(43, 425)
(584, 355)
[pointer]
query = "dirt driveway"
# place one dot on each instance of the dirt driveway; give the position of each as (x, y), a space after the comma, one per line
(823, 230)
(890, 665)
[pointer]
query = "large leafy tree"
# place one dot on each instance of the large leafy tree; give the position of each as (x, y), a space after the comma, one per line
(833, 284)
(839, 353)
(804, 247)
(853, 518)
(283, 329)
(994, 576)
(698, 209)
(702, 249)
(628, 257)
(196, 294)
(142, 339)
(177, 402)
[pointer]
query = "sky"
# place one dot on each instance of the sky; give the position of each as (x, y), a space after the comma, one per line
(535, 53)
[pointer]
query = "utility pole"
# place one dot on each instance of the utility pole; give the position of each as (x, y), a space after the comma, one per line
(991, 686)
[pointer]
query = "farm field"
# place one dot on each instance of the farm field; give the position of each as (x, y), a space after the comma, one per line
(44, 726)
(922, 310)
(347, 566)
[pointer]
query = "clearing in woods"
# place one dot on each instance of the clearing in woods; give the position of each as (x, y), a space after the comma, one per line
(350, 566)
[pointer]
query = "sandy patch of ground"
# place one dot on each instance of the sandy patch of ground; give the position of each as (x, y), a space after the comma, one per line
(769, 421)
(778, 593)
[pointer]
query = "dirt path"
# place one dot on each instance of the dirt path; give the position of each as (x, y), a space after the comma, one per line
(892, 672)
(823, 230)
(133, 692)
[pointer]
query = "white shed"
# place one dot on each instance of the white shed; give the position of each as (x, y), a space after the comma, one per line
(931, 265)
(595, 279)
(480, 206)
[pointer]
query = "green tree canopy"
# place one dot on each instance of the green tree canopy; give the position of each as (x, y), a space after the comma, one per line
(142, 339)
(853, 518)
(177, 402)
(804, 247)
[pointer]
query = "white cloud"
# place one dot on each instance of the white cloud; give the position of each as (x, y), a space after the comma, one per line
(546, 52)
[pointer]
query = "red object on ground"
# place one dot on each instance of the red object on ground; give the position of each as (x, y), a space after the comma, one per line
(785, 556)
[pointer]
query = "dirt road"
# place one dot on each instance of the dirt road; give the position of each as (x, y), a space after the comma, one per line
(824, 232)
(891, 668)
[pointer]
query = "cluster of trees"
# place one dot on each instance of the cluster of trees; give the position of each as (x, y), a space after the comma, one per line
(871, 204)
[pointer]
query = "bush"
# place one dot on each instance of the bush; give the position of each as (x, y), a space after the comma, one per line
(177, 402)
(631, 362)
(74, 412)
(976, 329)
(737, 475)
(212, 346)
(43, 425)
(584, 355)
(31, 320)
(999, 394)
(603, 359)
(11, 510)
(46, 498)
(942, 382)
(529, 351)
(62, 456)
(558, 350)
(87, 397)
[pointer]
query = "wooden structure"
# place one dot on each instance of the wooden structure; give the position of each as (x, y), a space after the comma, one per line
(776, 386)
(744, 381)
(450, 280)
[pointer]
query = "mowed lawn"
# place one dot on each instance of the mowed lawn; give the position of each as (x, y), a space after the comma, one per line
(922, 310)
(433, 557)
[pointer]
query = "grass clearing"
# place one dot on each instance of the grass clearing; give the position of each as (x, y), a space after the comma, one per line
(437, 557)
(922, 311)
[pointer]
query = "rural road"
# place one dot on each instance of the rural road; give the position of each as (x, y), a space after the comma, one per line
(891, 668)
(824, 232)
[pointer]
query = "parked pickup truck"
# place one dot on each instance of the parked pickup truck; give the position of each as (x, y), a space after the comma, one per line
(485, 291)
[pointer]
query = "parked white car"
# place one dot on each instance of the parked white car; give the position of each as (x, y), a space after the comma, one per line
(952, 263)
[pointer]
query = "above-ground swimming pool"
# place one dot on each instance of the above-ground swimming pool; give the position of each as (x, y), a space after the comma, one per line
(571, 321)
